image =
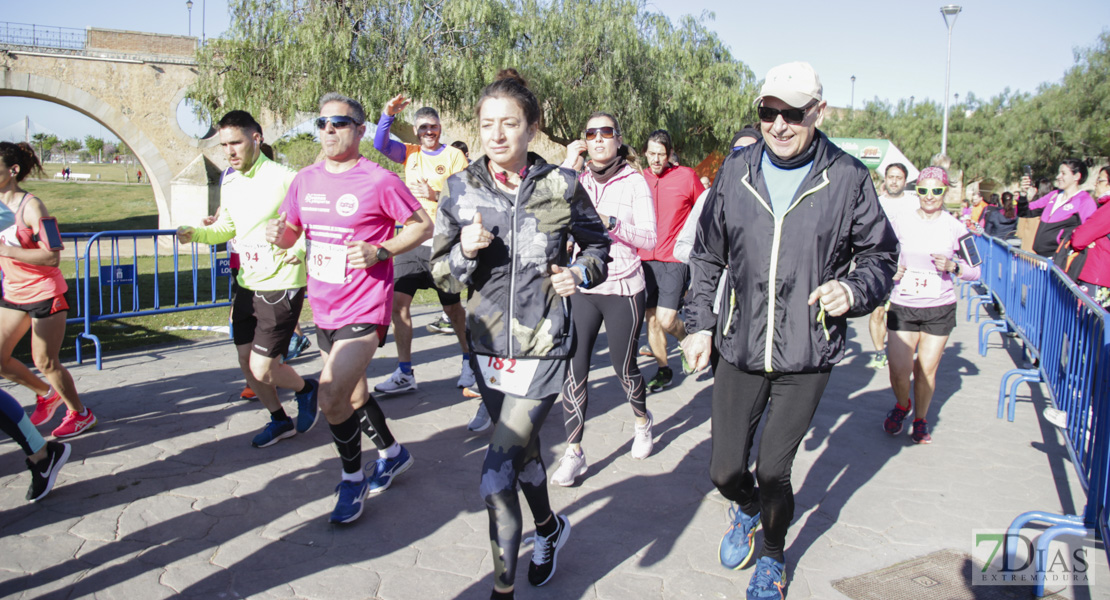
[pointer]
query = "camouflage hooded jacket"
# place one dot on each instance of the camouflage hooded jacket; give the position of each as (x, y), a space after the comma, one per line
(514, 311)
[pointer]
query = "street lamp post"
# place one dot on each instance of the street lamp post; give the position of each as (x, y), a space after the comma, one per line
(852, 106)
(949, 10)
(189, 5)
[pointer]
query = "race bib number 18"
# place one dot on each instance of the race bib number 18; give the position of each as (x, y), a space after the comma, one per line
(509, 375)
(327, 262)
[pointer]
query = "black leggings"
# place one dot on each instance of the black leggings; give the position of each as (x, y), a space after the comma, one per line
(623, 316)
(740, 400)
(513, 458)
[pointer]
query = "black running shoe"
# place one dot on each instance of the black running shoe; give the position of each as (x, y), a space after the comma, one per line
(661, 380)
(545, 550)
(46, 470)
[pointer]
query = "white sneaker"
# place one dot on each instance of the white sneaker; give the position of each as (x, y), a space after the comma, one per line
(466, 379)
(642, 442)
(571, 466)
(1057, 417)
(481, 420)
(398, 382)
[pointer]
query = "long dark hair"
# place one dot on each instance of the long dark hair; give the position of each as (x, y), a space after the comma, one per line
(1008, 209)
(21, 154)
(1077, 167)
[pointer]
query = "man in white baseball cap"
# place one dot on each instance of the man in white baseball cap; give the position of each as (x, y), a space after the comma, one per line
(788, 215)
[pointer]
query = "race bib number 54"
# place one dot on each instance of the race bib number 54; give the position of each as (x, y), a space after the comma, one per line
(922, 283)
(327, 262)
(510, 375)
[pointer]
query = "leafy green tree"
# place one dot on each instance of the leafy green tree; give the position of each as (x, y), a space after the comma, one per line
(46, 143)
(297, 151)
(578, 55)
(70, 146)
(95, 146)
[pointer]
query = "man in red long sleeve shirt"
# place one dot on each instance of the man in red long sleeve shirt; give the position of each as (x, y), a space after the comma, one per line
(674, 190)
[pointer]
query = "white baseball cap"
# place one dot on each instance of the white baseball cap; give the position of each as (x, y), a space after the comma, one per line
(795, 83)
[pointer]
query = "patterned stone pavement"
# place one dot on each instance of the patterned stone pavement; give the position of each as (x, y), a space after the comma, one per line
(166, 497)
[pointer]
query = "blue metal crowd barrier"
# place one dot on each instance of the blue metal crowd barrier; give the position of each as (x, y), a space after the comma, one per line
(123, 289)
(994, 274)
(74, 241)
(1068, 335)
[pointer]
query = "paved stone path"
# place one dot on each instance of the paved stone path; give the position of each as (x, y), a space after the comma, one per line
(166, 497)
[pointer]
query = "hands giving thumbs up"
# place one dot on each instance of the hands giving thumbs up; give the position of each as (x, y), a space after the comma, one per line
(474, 237)
(564, 280)
(275, 229)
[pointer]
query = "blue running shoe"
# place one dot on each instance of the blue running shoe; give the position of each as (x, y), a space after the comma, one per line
(385, 469)
(768, 581)
(297, 345)
(307, 413)
(736, 545)
(349, 506)
(274, 432)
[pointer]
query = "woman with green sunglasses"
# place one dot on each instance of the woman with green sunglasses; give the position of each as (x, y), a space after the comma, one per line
(923, 304)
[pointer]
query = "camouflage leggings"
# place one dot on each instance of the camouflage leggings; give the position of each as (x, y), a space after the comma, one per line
(513, 457)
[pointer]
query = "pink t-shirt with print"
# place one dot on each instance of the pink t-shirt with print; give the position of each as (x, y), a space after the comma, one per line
(360, 204)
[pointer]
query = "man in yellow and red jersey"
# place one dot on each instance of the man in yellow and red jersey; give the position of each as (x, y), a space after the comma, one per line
(427, 167)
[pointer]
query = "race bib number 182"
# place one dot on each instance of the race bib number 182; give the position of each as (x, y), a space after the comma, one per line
(509, 375)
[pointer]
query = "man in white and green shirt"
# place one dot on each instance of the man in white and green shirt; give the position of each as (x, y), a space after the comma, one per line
(267, 306)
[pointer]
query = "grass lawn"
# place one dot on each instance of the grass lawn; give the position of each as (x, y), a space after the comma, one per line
(97, 206)
(107, 173)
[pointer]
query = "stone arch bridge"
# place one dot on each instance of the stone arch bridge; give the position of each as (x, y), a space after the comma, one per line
(132, 83)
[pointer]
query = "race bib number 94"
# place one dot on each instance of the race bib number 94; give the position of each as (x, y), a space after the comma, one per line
(327, 262)
(509, 375)
(256, 256)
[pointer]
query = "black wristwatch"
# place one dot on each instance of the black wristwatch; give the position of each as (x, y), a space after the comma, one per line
(612, 223)
(382, 254)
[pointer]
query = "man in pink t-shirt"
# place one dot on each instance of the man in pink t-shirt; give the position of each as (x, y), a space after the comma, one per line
(346, 207)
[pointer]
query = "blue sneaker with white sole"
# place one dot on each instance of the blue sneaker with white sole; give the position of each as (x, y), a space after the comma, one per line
(736, 545)
(385, 469)
(349, 505)
(274, 432)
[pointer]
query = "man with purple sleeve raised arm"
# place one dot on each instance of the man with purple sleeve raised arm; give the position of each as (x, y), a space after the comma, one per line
(427, 166)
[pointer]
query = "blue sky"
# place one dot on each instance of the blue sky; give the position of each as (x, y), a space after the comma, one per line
(896, 49)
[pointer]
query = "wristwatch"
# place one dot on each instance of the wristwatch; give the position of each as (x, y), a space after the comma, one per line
(612, 223)
(382, 254)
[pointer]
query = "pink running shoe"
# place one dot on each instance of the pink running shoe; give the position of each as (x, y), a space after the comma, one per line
(74, 424)
(45, 407)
